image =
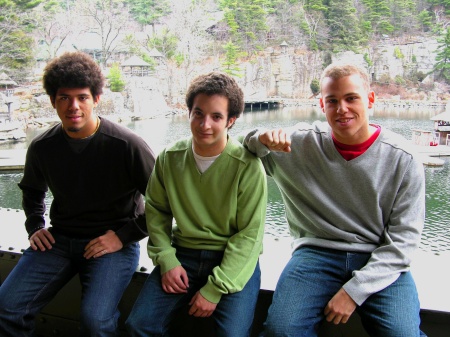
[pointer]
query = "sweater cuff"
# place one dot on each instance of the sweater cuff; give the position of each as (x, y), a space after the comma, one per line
(210, 293)
(33, 224)
(356, 291)
(134, 230)
(168, 262)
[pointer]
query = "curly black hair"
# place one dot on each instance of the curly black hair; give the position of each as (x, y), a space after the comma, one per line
(73, 70)
(217, 83)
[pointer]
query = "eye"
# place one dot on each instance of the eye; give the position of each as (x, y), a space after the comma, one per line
(331, 101)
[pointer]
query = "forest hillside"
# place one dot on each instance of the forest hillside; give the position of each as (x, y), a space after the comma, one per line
(273, 47)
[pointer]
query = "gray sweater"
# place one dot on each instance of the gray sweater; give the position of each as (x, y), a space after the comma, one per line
(374, 203)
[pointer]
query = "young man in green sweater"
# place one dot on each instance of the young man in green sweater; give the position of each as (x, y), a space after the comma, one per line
(215, 191)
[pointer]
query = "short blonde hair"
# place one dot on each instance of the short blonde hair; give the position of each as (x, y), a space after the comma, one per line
(337, 71)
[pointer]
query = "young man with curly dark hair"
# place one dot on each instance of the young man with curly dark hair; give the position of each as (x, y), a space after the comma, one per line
(216, 192)
(97, 172)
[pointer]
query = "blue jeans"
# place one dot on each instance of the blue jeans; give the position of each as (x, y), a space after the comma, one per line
(38, 276)
(311, 278)
(154, 309)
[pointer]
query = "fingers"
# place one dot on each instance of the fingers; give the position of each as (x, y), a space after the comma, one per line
(42, 240)
(175, 286)
(201, 307)
(175, 281)
(105, 244)
(95, 251)
(276, 140)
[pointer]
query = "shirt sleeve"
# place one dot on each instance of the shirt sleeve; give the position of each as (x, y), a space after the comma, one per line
(159, 219)
(34, 189)
(251, 142)
(142, 160)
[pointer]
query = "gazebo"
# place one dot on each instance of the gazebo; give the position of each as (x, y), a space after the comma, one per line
(442, 125)
(6, 81)
(135, 66)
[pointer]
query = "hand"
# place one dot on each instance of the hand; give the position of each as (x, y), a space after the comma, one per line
(41, 239)
(105, 244)
(175, 281)
(276, 140)
(340, 307)
(200, 306)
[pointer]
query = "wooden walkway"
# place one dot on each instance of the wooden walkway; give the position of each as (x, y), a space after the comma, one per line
(263, 103)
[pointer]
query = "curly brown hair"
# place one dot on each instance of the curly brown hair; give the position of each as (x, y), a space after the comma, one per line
(217, 83)
(73, 70)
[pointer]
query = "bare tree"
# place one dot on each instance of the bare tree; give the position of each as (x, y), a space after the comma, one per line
(107, 19)
(187, 22)
(53, 26)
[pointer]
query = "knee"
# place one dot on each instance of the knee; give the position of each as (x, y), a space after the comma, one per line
(93, 322)
(135, 322)
(131, 323)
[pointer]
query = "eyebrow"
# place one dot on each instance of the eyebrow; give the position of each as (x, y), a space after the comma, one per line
(68, 95)
(345, 95)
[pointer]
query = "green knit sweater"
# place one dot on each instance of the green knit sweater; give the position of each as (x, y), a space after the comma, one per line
(222, 209)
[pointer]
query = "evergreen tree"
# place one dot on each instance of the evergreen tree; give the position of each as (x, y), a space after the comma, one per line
(246, 20)
(378, 14)
(344, 34)
(147, 12)
(313, 23)
(230, 65)
(16, 43)
(404, 16)
(116, 81)
(425, 20)
(444, 3)
(442, 66)
(315, 86)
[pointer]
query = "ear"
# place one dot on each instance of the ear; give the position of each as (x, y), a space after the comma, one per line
(371, 97)
(231, 122)
(52, 100)
(96, 100)
(322, 105)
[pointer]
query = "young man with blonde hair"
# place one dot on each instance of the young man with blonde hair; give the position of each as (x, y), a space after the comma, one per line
(355, 204)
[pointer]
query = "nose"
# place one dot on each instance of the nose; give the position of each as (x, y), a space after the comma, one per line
(206, 122)
(73, 105)
(342, 108)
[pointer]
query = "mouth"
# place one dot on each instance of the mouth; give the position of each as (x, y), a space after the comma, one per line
(73, 118)
(202, 134)
(344, 120)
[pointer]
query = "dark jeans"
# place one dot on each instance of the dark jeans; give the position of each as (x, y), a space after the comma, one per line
(38, 276)
(154, 309)
(312, 277)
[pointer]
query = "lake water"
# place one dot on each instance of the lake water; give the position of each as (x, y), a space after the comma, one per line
(162, 131)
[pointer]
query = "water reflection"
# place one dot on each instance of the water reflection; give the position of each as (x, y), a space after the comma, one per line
(160, 132)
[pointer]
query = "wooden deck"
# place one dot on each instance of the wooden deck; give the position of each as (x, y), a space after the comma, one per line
(429, 271)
